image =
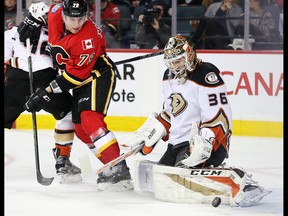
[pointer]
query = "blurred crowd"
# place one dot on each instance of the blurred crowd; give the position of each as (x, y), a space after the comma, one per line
(146, 24)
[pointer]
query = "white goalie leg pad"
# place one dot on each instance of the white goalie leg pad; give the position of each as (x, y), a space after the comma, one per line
(250, 194)
(150, 132)
(183, 185)
(143, 177)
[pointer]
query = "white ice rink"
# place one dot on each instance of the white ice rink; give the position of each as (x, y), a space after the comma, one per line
(24, 196)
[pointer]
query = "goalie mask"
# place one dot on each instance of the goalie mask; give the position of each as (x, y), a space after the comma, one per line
(179, 56)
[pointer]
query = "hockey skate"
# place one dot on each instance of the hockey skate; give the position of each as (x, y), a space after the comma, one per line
(66, 171)
(117, 178)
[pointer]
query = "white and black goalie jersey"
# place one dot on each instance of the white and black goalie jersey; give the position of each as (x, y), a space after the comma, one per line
(203, 99)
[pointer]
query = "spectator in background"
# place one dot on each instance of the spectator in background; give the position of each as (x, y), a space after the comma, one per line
(121, 2)
(207, 3)
(189, 2)
(29, 2)
(151, 30)
(145, 2)
(10, 11)
(219, 26)
(261, 25)
(280, 4)
(110, 15)
(134, 4)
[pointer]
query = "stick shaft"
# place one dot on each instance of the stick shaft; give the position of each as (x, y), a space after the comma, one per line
(42, 180)
(193, 41)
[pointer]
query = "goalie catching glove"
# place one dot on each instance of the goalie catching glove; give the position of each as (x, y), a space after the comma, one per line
(200, 147)
(150, 133)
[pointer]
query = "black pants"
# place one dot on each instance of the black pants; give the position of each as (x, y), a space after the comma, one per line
(178, 152)
(17, 92)
(95, 95)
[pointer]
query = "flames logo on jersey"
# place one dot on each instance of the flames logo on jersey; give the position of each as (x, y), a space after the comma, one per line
(60, 56)
(178, 104)
(88, 44)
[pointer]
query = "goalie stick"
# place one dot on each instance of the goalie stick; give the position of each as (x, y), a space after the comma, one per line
(194, 41)
(40, 178)
(122, 157)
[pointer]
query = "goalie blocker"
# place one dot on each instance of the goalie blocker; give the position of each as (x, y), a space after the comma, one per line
(201, 186)
(149, 133)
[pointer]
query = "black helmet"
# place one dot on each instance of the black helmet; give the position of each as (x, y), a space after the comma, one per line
(75, 8)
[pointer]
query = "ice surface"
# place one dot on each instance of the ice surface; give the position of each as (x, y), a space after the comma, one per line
(24, 196)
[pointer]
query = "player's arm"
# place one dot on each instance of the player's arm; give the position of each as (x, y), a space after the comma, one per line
(63, 83)
(42, 96)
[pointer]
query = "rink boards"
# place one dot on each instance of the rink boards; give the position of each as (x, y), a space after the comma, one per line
(254, 85)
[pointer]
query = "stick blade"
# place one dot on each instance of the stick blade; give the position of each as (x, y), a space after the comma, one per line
(43, 180)
(122, 157)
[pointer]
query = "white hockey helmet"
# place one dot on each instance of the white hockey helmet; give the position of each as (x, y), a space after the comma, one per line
(178, 50)
(39, 11)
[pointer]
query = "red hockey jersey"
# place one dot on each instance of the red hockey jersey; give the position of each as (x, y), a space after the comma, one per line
(74, 53)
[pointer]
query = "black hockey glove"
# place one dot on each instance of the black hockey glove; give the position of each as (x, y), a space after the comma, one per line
(48, 49)
(37, 100)
(30, 28)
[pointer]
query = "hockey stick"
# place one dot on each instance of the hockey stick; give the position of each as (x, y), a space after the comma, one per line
(122, 157)
(194, 41)
(42, 180)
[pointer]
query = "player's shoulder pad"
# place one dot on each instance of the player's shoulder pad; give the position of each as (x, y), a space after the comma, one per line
(206, 74)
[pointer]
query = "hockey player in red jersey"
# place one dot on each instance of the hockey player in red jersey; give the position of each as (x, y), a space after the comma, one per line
(196, 122)
(17, 86)
(78, 48)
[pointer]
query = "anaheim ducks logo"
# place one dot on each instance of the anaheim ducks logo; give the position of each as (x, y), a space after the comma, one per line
(211, 78)
(178, 104)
